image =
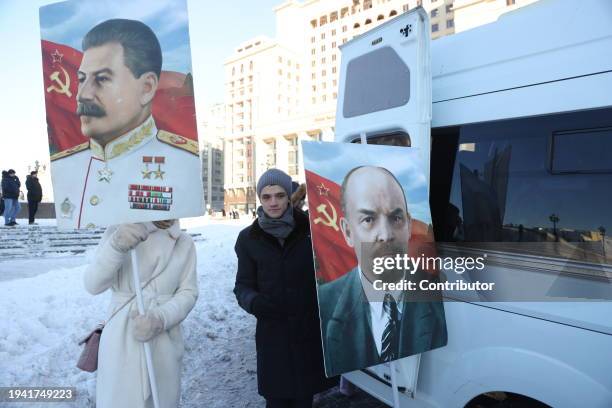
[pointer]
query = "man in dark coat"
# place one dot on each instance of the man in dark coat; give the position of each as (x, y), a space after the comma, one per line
(34, 194)
(276, 283)
(10, 195)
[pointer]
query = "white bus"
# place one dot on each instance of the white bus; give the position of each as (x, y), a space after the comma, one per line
(520, 167)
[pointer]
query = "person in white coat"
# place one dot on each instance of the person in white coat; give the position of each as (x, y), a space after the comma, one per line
(168, 255)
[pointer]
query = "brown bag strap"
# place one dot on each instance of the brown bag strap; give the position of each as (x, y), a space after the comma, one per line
(132, 297)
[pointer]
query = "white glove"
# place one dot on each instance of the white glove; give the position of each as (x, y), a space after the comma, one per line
(127, 236)
(146, 327)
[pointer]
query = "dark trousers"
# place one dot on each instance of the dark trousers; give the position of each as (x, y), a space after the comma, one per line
(32, 208)
(289, 403)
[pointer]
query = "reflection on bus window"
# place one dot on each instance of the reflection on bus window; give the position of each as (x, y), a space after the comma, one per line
(503, 190)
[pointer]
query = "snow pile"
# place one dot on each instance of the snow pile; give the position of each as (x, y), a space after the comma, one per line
(45, 314)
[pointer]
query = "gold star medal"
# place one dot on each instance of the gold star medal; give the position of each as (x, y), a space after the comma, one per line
(159, 160)
(146, 173)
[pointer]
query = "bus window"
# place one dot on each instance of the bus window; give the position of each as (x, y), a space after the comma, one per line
(529, 180)
(389, 139)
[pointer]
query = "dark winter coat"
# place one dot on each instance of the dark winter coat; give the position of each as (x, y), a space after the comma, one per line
(34, 189)
(10, 187)
(277, 284)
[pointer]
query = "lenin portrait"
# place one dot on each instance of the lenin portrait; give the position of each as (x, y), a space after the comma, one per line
(362, 326)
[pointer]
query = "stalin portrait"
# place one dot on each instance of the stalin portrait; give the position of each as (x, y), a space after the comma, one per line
(129, 170)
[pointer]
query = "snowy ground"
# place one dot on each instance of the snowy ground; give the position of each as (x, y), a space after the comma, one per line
(45, 311)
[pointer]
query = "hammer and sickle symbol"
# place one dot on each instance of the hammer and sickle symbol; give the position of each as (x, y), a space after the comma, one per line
(64, 87)
(330, 220)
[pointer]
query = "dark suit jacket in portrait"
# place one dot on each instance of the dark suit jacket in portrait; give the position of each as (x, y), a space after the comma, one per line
(346, 325)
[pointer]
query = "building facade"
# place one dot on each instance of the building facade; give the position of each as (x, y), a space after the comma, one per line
(282, 91)
(212, 157)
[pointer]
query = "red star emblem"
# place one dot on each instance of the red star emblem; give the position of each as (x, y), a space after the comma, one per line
(323, 190)
(57, 56)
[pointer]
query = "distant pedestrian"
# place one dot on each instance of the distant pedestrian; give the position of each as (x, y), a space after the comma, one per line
(10, 195)
(34, 195)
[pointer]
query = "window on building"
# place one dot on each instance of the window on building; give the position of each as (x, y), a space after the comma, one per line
(324, 98)
(323, 47)
(344, 28)
(241, 68)
(333, 57)
(314, 100)
(314, 75)
(434, 13)
(333, 31)
(367, 4)
(280, 59)
(392, 13)
(344, 40)
(333, 16)
(335, 96)
(313, 63)
(323, 60)
(324, 85)
(322, 21)
(314, 88)
(344, 12)
(434, 28)
(333, 70)
(250, 65)
(323, 73)
(313, 51)
(356, 25)
(368, 21)
(334, 44)
(380, 17)
(510, 2)
(280, 72)
(313, 23)
(312, 39)
(405, 8)
(450, 23)
(322, 36)
(233, 70)
(449, 8)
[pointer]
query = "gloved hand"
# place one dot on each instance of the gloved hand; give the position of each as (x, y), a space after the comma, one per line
(127, 236)
(146, 327)
(262, 307)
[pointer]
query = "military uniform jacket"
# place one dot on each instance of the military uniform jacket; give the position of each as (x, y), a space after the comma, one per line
(144, 175)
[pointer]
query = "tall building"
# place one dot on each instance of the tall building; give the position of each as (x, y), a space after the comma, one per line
(212, 157)
(282, 91)
(473, 13)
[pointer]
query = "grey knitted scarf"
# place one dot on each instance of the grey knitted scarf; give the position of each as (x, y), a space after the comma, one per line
(277, 227)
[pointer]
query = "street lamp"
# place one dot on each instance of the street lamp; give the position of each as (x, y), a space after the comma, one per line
(554, 218)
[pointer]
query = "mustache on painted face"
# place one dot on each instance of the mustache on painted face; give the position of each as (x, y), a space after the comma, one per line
(90, 109)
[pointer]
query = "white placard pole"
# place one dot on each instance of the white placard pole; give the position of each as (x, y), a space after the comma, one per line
(396, 401)
(146, 345)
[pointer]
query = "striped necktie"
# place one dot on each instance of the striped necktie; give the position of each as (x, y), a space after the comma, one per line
(390, 337)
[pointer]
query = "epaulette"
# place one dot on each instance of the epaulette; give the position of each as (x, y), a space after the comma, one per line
(179, 141)
(68, 152)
